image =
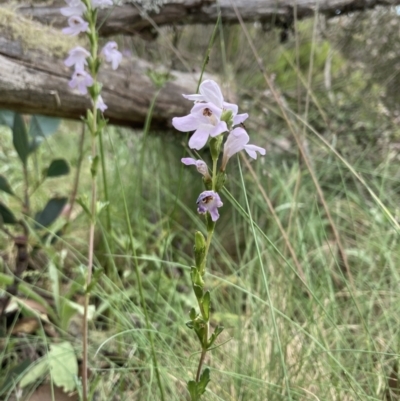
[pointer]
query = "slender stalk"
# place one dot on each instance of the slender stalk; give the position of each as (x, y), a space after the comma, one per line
(92, 122)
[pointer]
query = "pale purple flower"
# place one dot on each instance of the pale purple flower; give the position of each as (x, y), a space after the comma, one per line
(76, 26)
(77, 58)
(101, 3)
(75, 7)
(209, 201)
(200, 165)
(81, 80)
(205, 120)
(100, 104)
(112, 55)
(238, 140)
(210, 92)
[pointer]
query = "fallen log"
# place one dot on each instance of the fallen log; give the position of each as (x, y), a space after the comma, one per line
(36, 81)
(129, 19)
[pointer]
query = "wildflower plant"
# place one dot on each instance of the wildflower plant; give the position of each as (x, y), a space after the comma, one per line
(82, 18)
(217, 123)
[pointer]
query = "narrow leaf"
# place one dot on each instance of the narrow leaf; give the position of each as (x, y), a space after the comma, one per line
(6, 215)
(5, 186)
(51, 211)
(57, 168)
(20, 138)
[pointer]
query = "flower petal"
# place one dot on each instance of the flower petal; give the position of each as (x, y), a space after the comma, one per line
(212, 92)
(199, 138)
(188, 161)
(186, 123)
(236, 141)
(220, 128)
(232, 107)
(238, 119)
(253, 149)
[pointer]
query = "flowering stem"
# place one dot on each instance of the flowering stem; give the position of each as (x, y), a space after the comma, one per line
(92, 123)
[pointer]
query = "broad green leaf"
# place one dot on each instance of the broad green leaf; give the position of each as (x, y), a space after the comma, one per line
(36, 372)
(63, 366)
(57, 168)
(7, 118)
(5, 186)
(6, 215)
(51, 211)
(20, 138)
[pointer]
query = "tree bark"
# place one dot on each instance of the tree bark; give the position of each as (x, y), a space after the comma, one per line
(127, 19)
(33, 81)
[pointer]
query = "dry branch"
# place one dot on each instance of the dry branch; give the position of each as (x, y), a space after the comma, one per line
(32, 81)
(127, 19)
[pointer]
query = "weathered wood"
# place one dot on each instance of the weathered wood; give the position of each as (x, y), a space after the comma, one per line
(127, 19)
(32, 81)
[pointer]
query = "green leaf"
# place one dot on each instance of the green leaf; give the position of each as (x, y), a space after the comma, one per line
(63, 366)
(51, 211)
(20, 138)
(7, 118)
(57, 168)
(5, 186)
(6, 215)
(197, 389)
(204, 380)
(206, 301)
(35, 373)
(218, 330)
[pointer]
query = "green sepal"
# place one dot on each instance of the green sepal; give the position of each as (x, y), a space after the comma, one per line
(197, 389)
(227, 116)
(220, 181)
(206, 302)
(207, 183)
(193, 314)
(94, 165)
(218, 330)
(199, 248)
(210, 224)
(215, 146)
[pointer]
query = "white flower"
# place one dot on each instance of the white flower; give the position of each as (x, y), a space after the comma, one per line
(238, 140)
(77, 58)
